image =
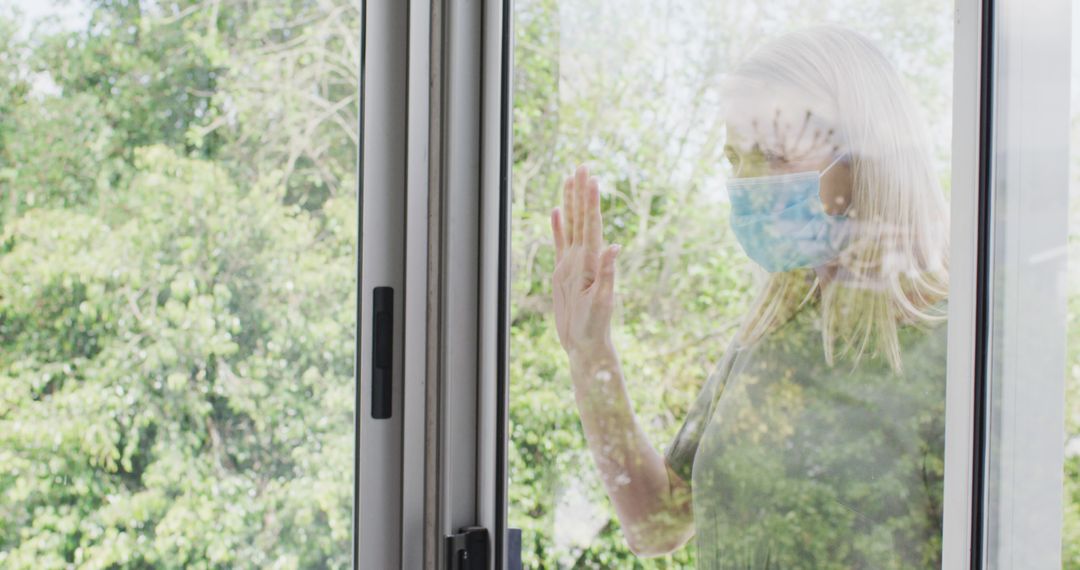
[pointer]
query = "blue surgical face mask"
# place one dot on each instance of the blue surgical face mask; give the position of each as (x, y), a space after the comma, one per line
(781, 224)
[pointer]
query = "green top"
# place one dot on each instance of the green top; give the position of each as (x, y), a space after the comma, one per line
(796, 464)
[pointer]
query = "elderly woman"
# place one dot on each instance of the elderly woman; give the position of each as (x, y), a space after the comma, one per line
(818, 441)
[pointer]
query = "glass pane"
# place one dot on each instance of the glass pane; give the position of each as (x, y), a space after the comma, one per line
(1070, 530)
(757, 377)
(1071, 527)
(1032, 363)
(177, 290)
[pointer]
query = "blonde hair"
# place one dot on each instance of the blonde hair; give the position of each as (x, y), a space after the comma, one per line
(895, 267)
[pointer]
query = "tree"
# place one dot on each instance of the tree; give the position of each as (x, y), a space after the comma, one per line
(177, 333)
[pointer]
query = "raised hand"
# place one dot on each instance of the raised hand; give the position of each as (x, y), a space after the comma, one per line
(583, 284)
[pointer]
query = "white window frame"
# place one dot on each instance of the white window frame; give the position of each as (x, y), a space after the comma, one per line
(377, 512)
(431, 212)
(964, 241)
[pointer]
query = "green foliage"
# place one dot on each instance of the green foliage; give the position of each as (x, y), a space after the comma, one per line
(176, 372)
(151, 80)
(57, 158)
(177, 385)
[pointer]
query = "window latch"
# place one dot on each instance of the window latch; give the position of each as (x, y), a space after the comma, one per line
(382, 353)
(468, 549)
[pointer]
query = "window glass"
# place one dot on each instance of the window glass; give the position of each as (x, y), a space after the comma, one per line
(743, 365)
(178, 226)
(1030, 404)
(1071, 529)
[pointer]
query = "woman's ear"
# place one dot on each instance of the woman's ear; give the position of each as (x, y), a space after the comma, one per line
(836, 188)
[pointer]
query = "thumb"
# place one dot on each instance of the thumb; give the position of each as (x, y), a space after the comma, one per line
(606, 279)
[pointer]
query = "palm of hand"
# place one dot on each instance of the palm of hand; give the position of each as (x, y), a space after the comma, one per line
(584, 277)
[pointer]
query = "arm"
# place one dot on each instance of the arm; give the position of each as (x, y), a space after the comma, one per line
(653, 504)
(651, 501)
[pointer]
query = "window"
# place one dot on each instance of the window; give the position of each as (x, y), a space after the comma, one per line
(538, 284)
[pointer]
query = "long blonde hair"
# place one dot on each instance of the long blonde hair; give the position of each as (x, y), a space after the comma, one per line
(895, 269)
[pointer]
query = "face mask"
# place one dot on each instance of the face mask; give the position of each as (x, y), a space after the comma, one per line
(781, 224)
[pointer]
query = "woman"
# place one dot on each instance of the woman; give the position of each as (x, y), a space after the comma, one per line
(818, 441)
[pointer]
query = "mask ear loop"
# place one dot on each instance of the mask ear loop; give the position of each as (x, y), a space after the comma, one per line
(832, 164)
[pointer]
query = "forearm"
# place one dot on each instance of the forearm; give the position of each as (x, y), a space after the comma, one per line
(653, 509)
(652, 506)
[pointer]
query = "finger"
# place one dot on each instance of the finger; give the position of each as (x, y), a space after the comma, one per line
(581, 179)
(605, 280)
(557, 232)
(594, 224)
(568, 209)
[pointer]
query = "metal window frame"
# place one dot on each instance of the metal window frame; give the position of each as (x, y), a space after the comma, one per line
(417, 457)
(433, 225)
(377, 512)
(480, 395)
(497, 143)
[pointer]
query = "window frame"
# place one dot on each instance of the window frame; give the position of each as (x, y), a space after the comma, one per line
(970, 84)
(378, 475)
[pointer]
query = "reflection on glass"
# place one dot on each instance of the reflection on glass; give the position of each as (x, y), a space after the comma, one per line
(177, 237)
(1071, 525)
(817, 280)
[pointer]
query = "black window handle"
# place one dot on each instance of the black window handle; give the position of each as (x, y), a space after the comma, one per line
(382, 353)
